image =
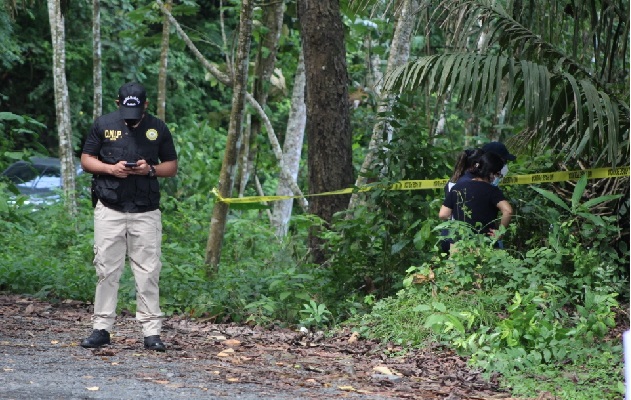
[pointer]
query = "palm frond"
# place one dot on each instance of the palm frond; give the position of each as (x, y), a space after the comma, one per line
(566, 105)
(589, 118)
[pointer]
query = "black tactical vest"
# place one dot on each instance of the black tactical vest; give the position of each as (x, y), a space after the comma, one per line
(136, 193)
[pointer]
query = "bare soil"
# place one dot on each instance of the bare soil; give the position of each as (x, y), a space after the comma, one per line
(40, 357)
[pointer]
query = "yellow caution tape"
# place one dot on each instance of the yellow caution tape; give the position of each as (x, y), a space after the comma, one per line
(529, 179)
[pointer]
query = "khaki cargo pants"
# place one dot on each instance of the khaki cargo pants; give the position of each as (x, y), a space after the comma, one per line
(139, 236)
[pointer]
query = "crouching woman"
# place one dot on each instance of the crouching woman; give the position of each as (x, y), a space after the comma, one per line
(477, 201)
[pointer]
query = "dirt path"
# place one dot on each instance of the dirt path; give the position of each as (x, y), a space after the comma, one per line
(40, 357)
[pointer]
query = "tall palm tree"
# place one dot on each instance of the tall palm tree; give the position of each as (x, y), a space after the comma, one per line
(564, 67)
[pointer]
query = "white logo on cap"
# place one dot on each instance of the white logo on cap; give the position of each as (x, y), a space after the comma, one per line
(131, 101)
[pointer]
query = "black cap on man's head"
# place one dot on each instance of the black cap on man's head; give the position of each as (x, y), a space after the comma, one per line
(499, 149)
(132, 97)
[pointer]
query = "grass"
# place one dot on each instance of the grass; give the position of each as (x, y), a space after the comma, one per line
(601, 377)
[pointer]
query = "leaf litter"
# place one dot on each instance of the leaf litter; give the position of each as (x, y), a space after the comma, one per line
(278, 360)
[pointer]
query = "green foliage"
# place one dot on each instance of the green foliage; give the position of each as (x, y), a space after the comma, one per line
(439, 319)
(200, 151)
(282, 294)
(10, 49)
(565, 104)
(19, 132)
(263, 279)
(315, 315)
(374, 244)
(515, 313)
(46, 254)
(395, 319)
(584, 243)
(598, 377)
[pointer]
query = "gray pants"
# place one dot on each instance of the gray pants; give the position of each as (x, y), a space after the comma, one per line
(138, 235)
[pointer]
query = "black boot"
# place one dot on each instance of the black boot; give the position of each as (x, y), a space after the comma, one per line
(98, 338)
(153, 342)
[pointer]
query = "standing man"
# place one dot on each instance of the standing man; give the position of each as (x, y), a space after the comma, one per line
(126, 151)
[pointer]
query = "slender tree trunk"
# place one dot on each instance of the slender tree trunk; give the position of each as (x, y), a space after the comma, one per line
(62, 105)
(374, 78)
(245, 151)
(97, 74)
(292, 149)
(226, 80)
(399, 55)
(164, 59)
(264, 66)
(259, 190)
(228, 167)
(328, 115)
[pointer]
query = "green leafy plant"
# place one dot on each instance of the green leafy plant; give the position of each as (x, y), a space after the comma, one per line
(585, 242)
(315, 315)
(440, 320)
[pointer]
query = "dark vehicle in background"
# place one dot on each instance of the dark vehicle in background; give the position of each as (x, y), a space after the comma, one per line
(39, 179)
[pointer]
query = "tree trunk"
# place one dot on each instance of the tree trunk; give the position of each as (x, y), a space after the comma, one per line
(228, 167)
(164, 59)
(226, 80)
(97, 70)
(263, 68)
(399, 55)
(62, 105)
(245, 151)
(292, 149)
(328, 114)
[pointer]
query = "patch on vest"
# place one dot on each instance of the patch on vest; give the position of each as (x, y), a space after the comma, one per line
(112, 134)
(152, 134)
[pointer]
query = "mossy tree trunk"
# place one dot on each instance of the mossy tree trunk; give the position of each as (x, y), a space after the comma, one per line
(229, 165)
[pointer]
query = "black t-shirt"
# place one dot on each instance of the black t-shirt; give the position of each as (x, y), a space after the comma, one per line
(111, 140)
(475, 202)
(467, 176)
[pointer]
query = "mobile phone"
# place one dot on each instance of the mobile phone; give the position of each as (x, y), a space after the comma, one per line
(131, 164)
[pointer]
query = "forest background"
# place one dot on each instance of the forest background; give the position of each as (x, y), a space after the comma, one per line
(407, 86)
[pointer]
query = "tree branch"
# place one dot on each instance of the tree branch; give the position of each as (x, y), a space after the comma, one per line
(226, 80)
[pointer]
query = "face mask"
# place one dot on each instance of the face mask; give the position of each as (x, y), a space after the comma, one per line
(131, 122)
(496, 181)
(504, 170)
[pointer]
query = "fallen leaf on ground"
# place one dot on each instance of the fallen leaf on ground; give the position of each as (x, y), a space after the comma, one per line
(383, 370)
(271, 358)
(226, 353)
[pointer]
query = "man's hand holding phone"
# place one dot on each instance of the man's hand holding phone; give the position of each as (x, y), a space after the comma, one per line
(139, 167)
(123, 169)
